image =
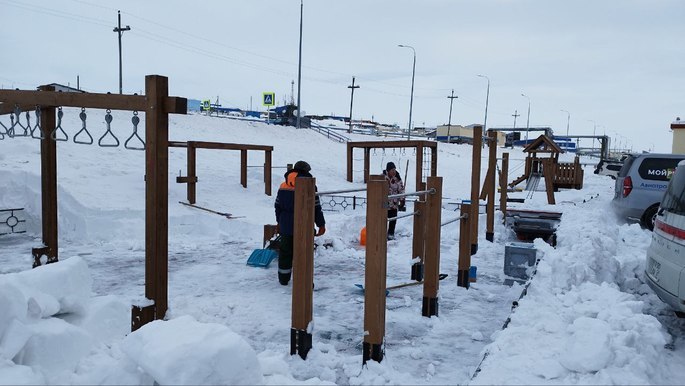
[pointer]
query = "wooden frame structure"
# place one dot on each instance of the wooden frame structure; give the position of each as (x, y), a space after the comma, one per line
(192, 146)
(426, 244)
(417, 144)
(157, 105)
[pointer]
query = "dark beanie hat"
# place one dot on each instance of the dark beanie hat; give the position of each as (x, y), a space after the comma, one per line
(302, 166)
(390, 166)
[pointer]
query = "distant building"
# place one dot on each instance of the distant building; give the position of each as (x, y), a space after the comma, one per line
(678, 128)
(63, 88)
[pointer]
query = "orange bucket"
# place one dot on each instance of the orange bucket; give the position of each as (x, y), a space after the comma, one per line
(362, 237)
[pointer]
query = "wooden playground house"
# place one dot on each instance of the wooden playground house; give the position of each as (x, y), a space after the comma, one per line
(542, 162)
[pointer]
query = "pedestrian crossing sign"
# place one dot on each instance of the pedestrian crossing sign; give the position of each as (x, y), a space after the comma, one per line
(269, 99)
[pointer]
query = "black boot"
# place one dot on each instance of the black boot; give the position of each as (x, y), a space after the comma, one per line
(283, 278)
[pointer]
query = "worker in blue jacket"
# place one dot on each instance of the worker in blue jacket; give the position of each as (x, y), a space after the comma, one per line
(285, 208)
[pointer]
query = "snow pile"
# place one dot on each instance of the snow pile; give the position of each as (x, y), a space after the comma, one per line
(575, 325)
(183, 351)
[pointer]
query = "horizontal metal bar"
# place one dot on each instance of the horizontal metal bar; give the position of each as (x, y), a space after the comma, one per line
(10, 210)
(419, 193)
(463, 216)
(404, 215)
(328, 193)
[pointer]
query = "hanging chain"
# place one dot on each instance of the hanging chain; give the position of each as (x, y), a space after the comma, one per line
(2, 135)
(108, 120)
(15, 117)
(83, 117)
(135, 120)
(37, 126)
(53, 135)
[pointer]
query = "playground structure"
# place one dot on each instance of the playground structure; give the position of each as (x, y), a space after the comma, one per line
(556, 175)
(192, 146)
(418, 146)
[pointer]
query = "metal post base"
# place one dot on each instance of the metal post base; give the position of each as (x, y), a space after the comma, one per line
(372, 351)
(490, 236)
(430, 307)
(40, 252)
(300, 342)
(463, 278)
(141, 316)
(474, 249)
(417, 271)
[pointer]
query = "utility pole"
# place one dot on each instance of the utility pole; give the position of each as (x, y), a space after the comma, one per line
(351, 101)
(515, 114)
(449, 120)
(292, 92)
(119, 31)
(299, 69)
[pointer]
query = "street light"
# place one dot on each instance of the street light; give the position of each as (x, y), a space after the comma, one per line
(594, 130)
(449, 122)
(411, 100)
(568, 120)
(527, 119)
(487, 97)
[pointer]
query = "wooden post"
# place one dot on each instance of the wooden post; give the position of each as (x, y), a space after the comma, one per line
(419, 166)
(367, 163)
(418, 240)
(432, 258)
(375, 270)
(48, 175)
(434, 161)
(267, 172)
(503, 186)
(548, 173)
(192, 173)
(350, 151)
(475, 185)
(156, 195)
(243, 167)
(464, 245)
(490, 183)
(303, 267)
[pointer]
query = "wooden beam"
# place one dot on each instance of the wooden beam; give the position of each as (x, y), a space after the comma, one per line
(48, 161)
(367, 164)
(391, 144)
(464, 264)
(475, 185)
(375, 268)
(191, 189)
(156, 193)
(303, 266)
(6, 108)
(503, 185)
(490, 184)
(267, 172)
(419, 167)
(243, 168)
(432, 256)
(434, 161)
(169, 105)
(222, 146)
(350, 159)
(418, 240)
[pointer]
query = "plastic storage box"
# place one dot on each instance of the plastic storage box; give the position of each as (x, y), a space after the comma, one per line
(518, 257)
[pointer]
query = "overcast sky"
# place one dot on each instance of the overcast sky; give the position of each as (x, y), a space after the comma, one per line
(618, 63)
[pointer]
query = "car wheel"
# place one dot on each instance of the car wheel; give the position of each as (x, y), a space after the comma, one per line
(649, 216)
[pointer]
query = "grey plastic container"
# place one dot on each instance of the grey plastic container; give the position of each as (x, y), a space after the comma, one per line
(518, 257)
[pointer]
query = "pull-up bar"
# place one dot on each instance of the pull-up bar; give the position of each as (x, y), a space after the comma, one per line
(418, 212)
(462, 217)
(331, 192)
(419, 193)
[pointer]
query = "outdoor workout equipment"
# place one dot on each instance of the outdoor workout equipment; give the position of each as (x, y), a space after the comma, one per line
(157, 106)
(228, 216)
(108, 121)
(37, 126)
(53, 134)
(82, 115)
(135, 120)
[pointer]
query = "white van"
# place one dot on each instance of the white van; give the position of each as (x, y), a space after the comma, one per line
(665, 266)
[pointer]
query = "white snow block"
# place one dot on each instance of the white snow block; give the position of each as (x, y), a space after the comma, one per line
(183, 351)
(12, 374)
(55, 346)
(106, 319)
(589, 347)
(62, 287)
(12, 305)
(15, 338)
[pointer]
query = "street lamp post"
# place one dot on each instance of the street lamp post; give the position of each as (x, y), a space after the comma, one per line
(594, 130)
(568, 120)
(487, 98)
(449, 121)
(527, 119)
(411, 99)
(299, 70)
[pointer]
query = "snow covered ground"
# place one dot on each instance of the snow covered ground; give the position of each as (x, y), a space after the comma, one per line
(587, 316)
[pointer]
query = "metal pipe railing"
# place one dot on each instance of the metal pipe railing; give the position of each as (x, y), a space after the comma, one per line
(404, 215)
(419, 193)
(328, 193)
(463, 216)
